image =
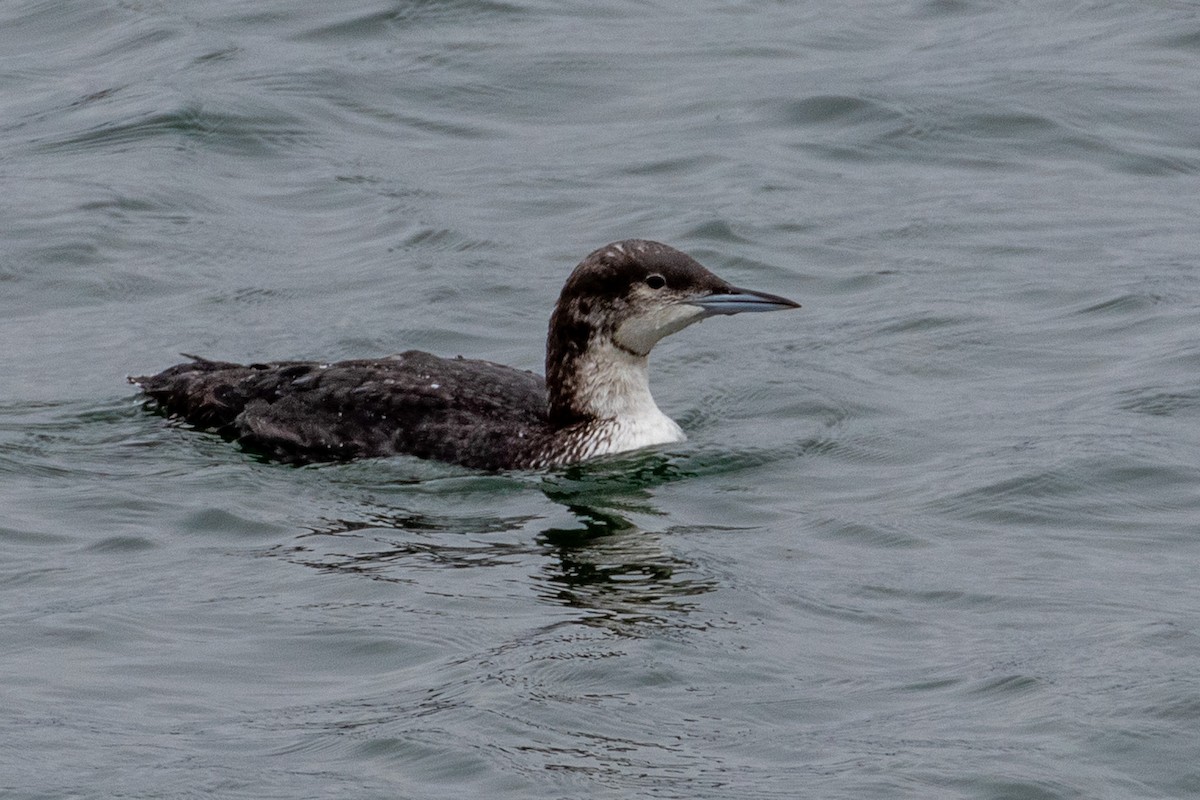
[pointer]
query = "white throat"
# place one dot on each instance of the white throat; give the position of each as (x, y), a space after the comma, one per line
(614, 388)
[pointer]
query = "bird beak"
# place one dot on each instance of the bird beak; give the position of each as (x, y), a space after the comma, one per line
(735, 301)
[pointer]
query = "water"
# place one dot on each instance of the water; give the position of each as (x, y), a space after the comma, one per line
(934, 535)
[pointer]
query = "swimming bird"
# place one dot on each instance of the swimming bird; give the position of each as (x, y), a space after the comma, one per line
(595, 399)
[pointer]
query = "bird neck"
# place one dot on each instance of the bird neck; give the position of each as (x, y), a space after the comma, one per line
(601, 381)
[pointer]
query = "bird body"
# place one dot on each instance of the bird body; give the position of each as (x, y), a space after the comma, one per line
(594, 401)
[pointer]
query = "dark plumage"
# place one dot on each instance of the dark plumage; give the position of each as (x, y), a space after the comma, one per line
(455, 410)
(619, 301)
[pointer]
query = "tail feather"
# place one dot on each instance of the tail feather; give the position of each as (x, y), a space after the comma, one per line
(206, 393)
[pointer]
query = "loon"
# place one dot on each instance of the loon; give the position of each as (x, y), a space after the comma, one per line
(594, 401)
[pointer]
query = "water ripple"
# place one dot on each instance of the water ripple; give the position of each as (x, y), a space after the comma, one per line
(224, 131)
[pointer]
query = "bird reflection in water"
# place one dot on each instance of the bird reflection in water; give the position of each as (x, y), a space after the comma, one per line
(599, 561)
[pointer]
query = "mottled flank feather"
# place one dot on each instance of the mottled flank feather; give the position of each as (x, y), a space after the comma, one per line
(468, 412)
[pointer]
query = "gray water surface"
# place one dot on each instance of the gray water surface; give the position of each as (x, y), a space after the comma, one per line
(934, 535)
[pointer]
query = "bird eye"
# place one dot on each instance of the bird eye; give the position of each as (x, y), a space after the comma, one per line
(656, 281)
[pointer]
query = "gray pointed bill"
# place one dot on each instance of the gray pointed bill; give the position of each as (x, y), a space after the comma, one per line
(736, 300)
